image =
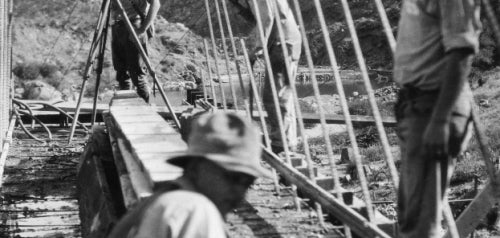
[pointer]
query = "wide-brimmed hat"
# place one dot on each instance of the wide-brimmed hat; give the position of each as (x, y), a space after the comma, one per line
(227, 140)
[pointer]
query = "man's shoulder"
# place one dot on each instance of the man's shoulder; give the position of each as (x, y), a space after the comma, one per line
(181, 193)
(184, 199)
(182, 205)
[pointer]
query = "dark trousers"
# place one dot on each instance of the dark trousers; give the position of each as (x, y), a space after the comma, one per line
(285, 98)
(419, 205)
(127, 61)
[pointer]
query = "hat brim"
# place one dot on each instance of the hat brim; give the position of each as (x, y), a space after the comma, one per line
(224, 161)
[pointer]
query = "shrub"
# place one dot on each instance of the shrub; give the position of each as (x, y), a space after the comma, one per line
(467, 169)
(373, 153)
(191, 67)
(359, 107)
(47, 70)
(27, 71)
(362, 107)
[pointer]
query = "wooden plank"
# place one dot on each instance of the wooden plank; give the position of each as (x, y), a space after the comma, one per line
(155, 143)
(95, 200)
(70, 107)
(124, 94)
(128, 102)
(163, 167)
(147, 156)
(130, 110)
(347, 215)
(142, 185)
(138, 120)
(357, 120)
(129, 196)
(143, 119)
(146, 141)
(476, 211)
(138, 128)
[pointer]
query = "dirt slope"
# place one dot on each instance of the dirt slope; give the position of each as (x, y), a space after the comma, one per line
(52, 39)
(58, 33)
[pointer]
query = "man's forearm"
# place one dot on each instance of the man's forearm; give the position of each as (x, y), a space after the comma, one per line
(150, 17)
(455, 75)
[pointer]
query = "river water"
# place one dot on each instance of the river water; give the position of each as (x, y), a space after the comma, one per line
(351, 87)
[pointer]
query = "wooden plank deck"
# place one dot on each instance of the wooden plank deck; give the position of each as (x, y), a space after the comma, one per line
(144, 141)
(38, 191)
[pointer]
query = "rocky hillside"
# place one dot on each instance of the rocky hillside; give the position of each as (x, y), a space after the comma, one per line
(52, 39)
(372, 37)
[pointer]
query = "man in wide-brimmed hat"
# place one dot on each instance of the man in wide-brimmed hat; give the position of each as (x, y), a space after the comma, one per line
(222, 161)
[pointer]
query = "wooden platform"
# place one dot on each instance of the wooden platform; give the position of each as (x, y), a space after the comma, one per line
(38, 190)
(142, 142)
(357, 120)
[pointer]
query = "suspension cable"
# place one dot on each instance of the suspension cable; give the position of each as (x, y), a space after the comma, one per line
(340, 90)
(371, 94)
(90, 60)
(291, 76)
(386, 25)
(226, 55)
(260, 111)
(214, 51)
(209, 70)
(270, 77)
(491, 16)
(235, 55)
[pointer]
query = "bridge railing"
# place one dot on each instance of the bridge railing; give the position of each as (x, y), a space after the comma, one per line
(285, 168)
(5, 68)
(300, 184)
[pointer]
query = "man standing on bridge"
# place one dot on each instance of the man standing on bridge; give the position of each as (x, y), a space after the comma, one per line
(127, 61)
(222, 161)
(293, 41)
(436, 42)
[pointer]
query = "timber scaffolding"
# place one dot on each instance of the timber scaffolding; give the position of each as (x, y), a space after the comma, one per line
(140, 139)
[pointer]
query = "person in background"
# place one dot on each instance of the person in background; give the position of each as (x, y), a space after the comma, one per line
(293, 41)
(127, 61)
(436, 42)
(222, 161)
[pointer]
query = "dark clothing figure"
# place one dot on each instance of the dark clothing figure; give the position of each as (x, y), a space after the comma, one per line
(285, 97)
(127, 60)
(293, 41)
(436, 41)
(419, 215)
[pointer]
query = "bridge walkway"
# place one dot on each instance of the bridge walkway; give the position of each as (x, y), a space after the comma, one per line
(39, 195)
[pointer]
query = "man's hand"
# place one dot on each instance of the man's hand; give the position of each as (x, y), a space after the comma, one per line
(140, 31)
(454, 74)
(141, 34)
(435, 139)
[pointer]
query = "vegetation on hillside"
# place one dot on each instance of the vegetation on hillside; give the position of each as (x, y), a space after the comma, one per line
(51, 43)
